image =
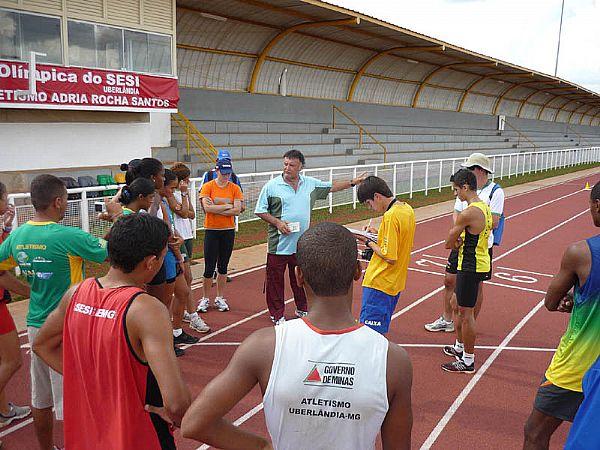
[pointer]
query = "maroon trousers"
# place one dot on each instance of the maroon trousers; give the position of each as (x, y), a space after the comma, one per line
(275, 284)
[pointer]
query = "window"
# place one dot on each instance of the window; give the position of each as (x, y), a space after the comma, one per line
(114, 48)
(21, 33)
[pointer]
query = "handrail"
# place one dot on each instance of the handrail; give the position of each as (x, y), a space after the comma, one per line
(361, 130)
(520, 135)
(207, 150)
(578, 135)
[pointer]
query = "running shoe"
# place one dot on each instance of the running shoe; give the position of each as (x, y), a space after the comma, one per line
(185, 338)
(440, 324)
(221, 304)
(199, 325)
(280, 321)
(186, 317)
(458, 367)
(300, 314)
(451, 351)
(179, 351)
(203, 305)
(14, 413)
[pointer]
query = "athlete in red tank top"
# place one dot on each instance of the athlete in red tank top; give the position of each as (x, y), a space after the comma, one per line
(113, 343)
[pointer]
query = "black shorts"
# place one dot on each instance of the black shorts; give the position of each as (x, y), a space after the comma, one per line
(187, 249)
(218, 246)
(467, 285)
(555, 401)
(452, 264)
(160, 277)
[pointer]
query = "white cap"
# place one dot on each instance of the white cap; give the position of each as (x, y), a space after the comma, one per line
(478, 159)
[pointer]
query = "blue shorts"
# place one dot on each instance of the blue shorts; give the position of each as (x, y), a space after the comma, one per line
(170, 266)
(377, 309)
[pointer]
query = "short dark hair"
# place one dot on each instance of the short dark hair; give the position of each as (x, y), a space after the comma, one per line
(134, 237)
(181, 170)
(169, 176)
(595, 194)
(145, 168)
(45, 189)
(2, 189)
(370, 186)
(327, 256)
(294, 154)
(465, 176)
(140, 186)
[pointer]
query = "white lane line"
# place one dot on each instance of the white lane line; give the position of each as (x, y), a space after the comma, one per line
(526, 271)
(493, 283)
(541, 205)
(485, 347)
(240, 421)
(482, 370)
(230, 326)
(435, 257)
(16, 427)
(198, 284)
(476, 377)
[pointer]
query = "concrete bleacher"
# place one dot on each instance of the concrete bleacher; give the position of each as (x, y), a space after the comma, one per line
(258, 129)
(258, 147)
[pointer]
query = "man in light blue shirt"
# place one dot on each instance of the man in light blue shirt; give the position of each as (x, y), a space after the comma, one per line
(285, 203)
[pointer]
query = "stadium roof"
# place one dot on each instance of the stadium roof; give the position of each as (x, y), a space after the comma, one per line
(336, 53)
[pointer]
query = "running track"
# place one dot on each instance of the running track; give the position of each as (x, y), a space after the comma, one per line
(516, 335)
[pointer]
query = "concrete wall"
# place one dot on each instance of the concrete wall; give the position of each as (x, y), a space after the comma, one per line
(35, 146)
(160, 129)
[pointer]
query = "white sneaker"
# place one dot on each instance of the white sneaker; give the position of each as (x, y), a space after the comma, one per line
(203, 305)
(14, 413)
(440, 325)
(199, 325)
(279, 322)
(221, 304)
(186, 317)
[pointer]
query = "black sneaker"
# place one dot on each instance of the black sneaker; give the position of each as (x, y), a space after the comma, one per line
(185, 338)
(179, 351)
(458, 367)
(451, 351)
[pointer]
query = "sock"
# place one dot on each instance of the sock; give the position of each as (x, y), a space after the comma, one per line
(193, 316)
(468, 358)
(459, 346)
(177, 332)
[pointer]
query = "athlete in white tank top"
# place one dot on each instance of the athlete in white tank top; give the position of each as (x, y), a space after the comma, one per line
(327, 382)
(330, 391)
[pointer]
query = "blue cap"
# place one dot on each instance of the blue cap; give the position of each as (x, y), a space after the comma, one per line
(223, 154)
(224, 166)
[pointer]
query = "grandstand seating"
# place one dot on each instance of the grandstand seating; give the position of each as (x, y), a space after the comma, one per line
(258, 146)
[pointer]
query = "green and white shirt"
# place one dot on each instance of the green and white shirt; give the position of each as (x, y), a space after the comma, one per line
(51, 258)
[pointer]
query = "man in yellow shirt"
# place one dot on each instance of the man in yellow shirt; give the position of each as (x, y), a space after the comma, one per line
(385, 277)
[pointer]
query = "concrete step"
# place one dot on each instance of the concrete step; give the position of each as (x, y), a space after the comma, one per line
(348, 140)
(339, 130)
(165, 153)
(363, 151)
(367, 161)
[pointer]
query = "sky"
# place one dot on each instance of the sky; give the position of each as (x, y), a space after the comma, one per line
(522, 32)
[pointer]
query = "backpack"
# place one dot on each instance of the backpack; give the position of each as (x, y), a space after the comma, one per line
(499, 230)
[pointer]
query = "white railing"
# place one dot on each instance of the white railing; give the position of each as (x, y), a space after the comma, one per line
(403, 178)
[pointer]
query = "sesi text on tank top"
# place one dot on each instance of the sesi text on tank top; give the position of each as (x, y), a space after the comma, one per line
(105, 384)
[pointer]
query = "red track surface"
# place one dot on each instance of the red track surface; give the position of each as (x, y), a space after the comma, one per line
(493, 404)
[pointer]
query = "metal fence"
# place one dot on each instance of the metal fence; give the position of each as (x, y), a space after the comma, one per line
(403, 178)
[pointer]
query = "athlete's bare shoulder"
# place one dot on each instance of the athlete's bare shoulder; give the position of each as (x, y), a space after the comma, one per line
(399, 369)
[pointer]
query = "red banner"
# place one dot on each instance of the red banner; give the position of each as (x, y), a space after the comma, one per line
(89, 89)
